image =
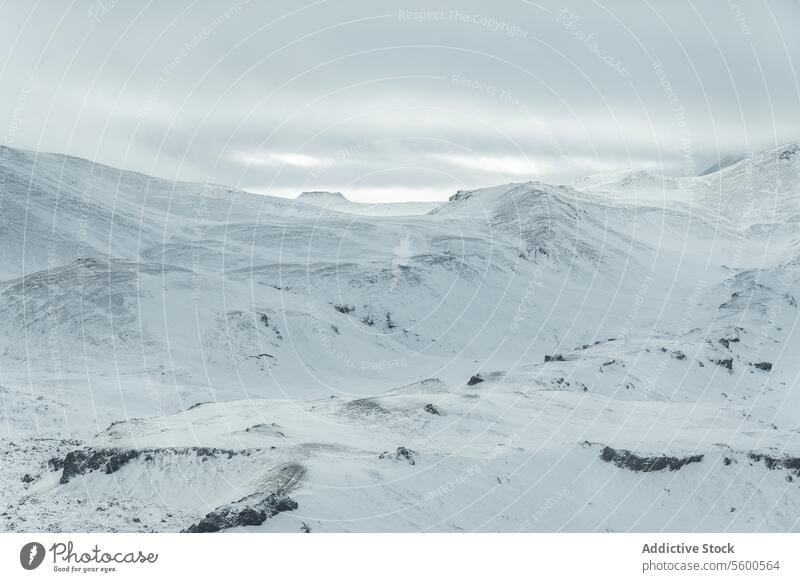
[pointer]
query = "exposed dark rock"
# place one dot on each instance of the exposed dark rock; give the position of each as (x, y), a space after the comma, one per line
(431, 409)
(228, 517)
(82, 461)
(256, 508)
(407, 454)
(476, 379)
(725, 363)
(765, 366)
(389, 323)
(460, 195)
(304, 527)
(554, 358)
(678, 355)
(633, 462)
(345, 308)
(27, 478)
(367, 320)
(402, 453)
(284, 504)
(772, 463)
(727, 341)
(247, 516)
(789, 152)
(56, 463)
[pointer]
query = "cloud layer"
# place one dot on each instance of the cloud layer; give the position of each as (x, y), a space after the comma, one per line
(386, 101)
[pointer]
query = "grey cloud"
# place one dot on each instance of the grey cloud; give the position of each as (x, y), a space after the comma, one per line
(395, 99)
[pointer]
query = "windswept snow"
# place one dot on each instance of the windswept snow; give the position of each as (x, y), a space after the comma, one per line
(526, 357)
(337, 201)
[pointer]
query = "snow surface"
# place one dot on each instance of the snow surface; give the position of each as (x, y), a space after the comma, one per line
(526, 357)
(337, 201)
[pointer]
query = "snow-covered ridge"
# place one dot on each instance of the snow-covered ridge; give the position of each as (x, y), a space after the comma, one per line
(759, 190)
(322, 196)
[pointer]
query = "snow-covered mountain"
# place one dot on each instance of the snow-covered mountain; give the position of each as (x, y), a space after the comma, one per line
(525, 357)
(761, 190)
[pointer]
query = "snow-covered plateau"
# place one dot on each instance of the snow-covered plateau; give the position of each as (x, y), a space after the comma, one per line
(528, 357)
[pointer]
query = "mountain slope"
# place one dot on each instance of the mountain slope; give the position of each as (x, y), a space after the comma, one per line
(337, 201)
(525, 357)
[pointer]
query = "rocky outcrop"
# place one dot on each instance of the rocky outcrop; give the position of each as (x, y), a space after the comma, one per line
(256, 508)
(476, 379)
(641, 464)
(236, 515)
(431, 409)
(774, 463)
(82, 461)
(401, 454)
(726, 363)
(107, 460)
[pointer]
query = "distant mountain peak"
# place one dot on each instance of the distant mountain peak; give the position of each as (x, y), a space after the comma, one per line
(461, 195)
(322, 195)
(510, 188)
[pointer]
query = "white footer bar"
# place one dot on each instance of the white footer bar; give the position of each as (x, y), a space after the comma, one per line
(407, 557)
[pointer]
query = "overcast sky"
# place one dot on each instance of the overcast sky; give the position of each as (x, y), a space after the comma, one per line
(398, 101)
